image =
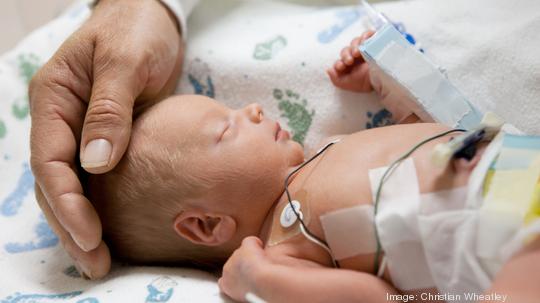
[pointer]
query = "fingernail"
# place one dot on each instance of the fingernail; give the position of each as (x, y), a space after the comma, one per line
(80, 244)
(96, 154)
(85, 273)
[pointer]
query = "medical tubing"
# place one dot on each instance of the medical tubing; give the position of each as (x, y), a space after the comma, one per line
(318, 242)
(305, 231)
(387, 174)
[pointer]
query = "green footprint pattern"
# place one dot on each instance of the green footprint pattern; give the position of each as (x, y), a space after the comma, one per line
(20, 108)
(3, 129)
(294, 108)
(267, 50)
(28, 65)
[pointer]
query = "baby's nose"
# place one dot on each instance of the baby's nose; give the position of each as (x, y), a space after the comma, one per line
(254, 112)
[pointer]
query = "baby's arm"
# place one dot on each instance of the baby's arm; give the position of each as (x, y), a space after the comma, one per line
(519, 278)
(351, 72)
(250, 270)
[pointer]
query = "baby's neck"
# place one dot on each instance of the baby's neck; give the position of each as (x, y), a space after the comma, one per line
(266, 227)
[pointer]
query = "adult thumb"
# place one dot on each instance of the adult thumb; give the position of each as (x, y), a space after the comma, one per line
(107, 124)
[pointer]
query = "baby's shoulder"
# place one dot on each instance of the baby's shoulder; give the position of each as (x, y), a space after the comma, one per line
(296, 253)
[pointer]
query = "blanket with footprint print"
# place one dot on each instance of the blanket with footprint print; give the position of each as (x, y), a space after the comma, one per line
(273, 53)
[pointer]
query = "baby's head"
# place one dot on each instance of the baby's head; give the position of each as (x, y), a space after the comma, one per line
(196, 179)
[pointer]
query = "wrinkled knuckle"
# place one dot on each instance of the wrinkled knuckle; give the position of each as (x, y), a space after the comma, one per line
(130, 58)
(113, 58)
(38, 82)
(35, 82)
(104, 113)
(37, 166)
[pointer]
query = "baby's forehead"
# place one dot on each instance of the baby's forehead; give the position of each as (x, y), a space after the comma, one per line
(181, 120)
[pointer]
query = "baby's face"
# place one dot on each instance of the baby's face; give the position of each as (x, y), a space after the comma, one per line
(243, 154)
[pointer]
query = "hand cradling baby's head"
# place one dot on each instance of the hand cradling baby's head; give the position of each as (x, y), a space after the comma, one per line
(196, 179)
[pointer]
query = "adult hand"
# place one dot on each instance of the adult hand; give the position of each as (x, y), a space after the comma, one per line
(127, 55)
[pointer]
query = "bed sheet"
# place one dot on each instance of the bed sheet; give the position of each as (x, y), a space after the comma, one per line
(34, 266)
(275, 54)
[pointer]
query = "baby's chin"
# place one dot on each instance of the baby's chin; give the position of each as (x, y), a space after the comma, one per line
(297, 153)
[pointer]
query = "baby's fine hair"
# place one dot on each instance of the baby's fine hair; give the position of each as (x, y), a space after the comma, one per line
(139, 199)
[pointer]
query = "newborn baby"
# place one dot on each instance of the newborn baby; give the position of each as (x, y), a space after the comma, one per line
(199, 177)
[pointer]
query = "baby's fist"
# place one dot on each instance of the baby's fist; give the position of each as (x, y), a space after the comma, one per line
(351, 72)
(240, 273)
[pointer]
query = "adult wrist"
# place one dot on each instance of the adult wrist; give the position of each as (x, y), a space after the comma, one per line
(163, 4)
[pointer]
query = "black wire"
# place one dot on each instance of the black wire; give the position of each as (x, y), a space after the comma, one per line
(385, 175)
(289, 195)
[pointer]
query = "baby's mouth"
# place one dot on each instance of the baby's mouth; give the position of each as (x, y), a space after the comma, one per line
(280, 133)
(278, 129)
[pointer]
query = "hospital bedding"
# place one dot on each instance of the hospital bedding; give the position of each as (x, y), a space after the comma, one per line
(274, 54)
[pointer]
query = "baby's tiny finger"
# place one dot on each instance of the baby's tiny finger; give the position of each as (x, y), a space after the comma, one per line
(332, 74)
(367, 35)
(223, 287)
(340, 66)
(355, 43)
(346, 56)
(220, 284)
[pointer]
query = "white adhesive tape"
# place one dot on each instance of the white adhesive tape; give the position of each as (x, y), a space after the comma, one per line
(350, 231)
(442, 201)
(398, 228)
(437, 97)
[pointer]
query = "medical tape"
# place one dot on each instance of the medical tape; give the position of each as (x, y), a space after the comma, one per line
(397, 226)
(280, 232)
(395, 99)
(523, 237)
(415, 73)
(444, 200)
(425, 82)
(350, 231)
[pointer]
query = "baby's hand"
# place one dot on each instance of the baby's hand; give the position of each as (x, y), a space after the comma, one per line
(242, 269)
(351, 72)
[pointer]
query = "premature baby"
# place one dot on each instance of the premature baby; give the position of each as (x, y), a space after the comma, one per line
(199, 177)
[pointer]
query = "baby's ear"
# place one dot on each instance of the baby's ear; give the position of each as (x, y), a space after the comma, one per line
(203, 228)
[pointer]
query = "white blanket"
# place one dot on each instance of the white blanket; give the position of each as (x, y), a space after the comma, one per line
(274, 54)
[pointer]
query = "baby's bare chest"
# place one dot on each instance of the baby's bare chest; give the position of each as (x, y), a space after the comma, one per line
(339, 180)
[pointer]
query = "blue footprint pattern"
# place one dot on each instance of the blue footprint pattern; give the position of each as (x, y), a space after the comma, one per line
(201, 88)
(160, 289)
(44, 238)
(46, 298)
(10, 206)
(381, 118)
(345, 19)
